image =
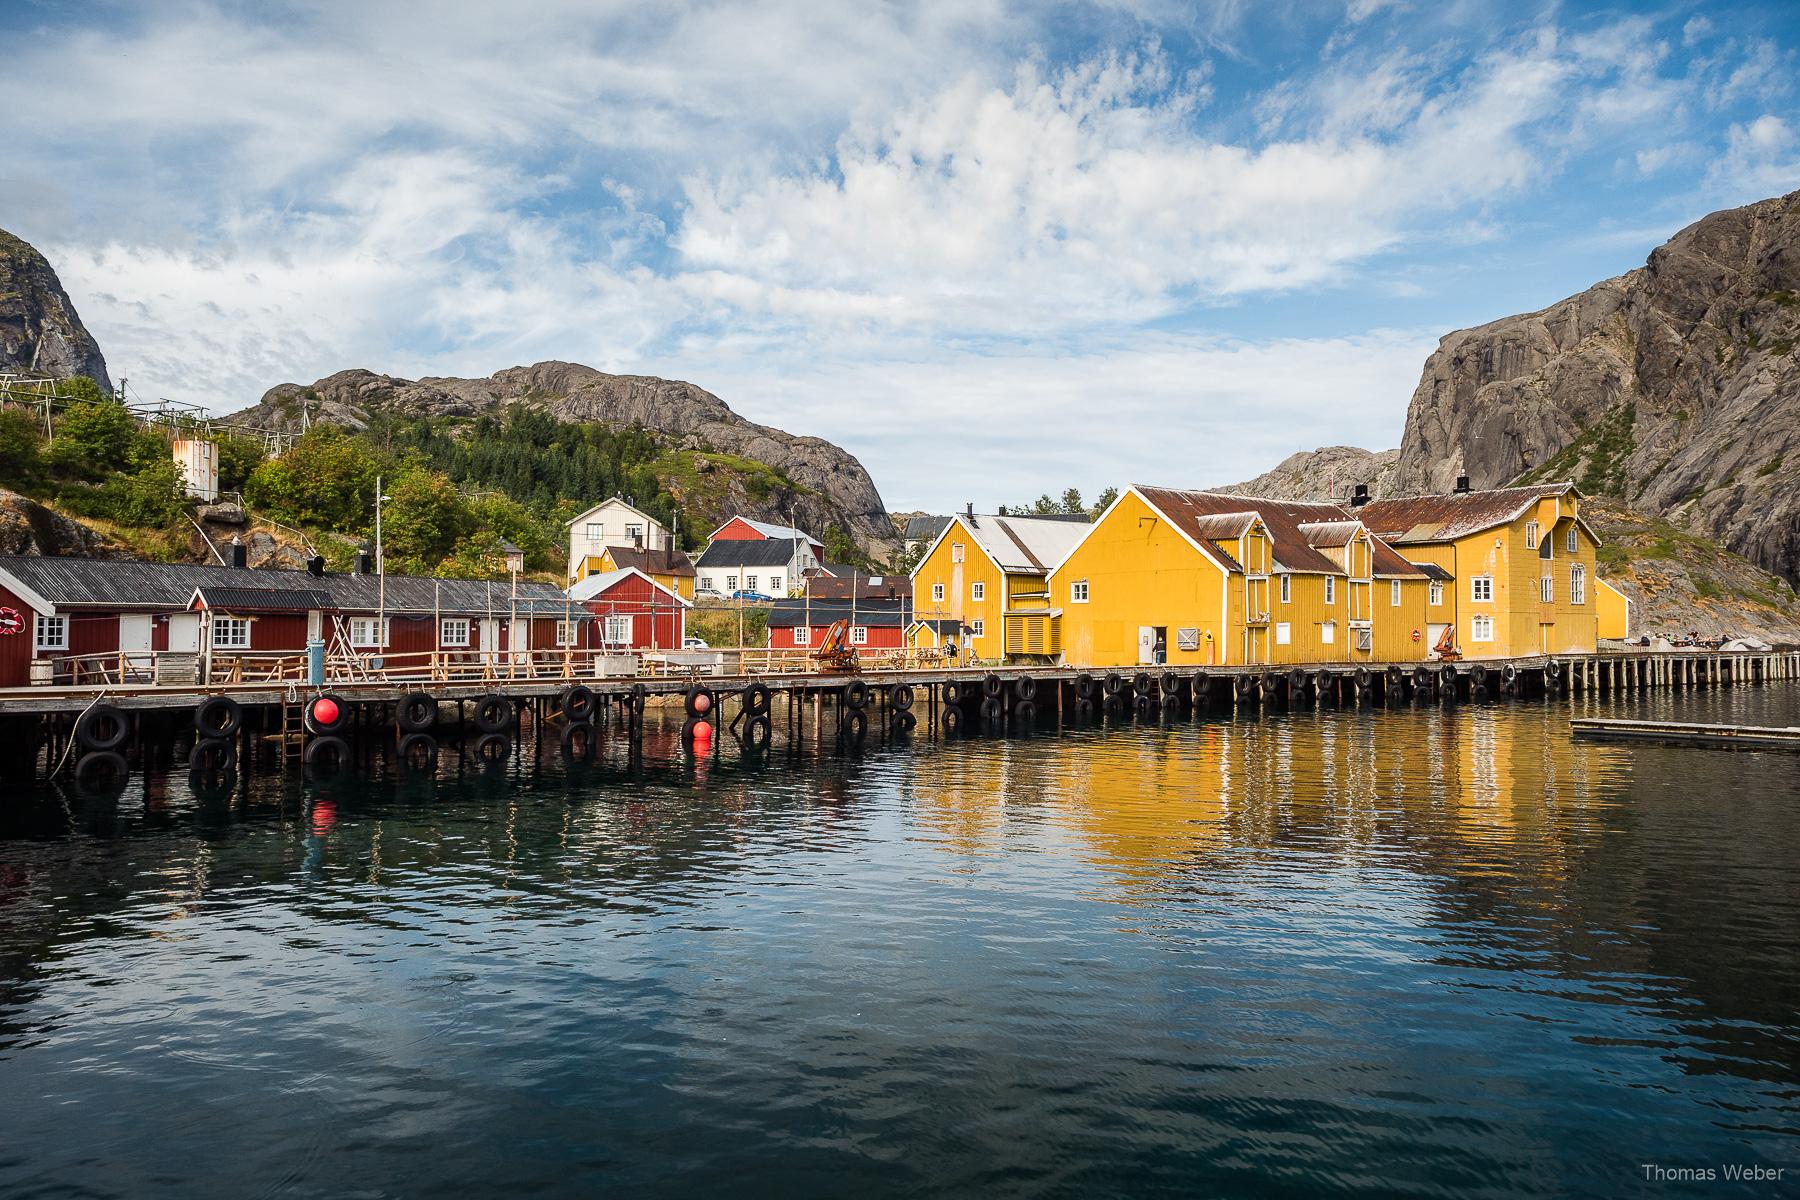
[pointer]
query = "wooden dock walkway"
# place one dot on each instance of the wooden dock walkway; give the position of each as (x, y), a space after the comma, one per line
(1677, 733)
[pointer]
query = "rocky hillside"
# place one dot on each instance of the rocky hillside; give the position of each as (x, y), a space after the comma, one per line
(1674, 388)
(39, 328)
(817, 482)
(1328, 473)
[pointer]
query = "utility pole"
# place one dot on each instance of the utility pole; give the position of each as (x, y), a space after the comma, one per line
(380, 567)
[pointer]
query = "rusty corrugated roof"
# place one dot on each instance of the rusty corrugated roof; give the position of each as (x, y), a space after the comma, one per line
(1443, 518)
(667, 561)
(1296, 528)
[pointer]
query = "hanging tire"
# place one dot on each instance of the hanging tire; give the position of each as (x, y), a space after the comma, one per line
(417, 752)
(1362, 678)
(1508, 673)
(211, 754)
(1143, 705)
(1553, 669)
(326, 754)
(757, 698)
(1396, 677)
(1084, 687)
(991, 710)
(218, 717)
(1296, 680)
(1200, 687)
(1447, 676)
(102, 727)
(326, 714)
(1421, 678)
(952, 720)
(900, 697)
(856, 693)
(1242, 685)
(906, 721)
(578, 703)
(757, 733)
(1270, 683)
(990, 685)
(856, 726)
(699, 701)
(101, 773)
(494, 714)
(1025, 688)
(579, 741)
(1141, 683)
(1115, 683)
(1478, 676)
(491, 749)
(1169, 683)
(955, 692)
(416, 713)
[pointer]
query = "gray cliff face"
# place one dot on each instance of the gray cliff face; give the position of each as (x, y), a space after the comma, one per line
(39, 328)
(27, 527)
(1328, 473)
(1674, 387)
(692, 418)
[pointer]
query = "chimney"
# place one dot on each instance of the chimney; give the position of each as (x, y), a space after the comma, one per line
(638, 540)
(1462, 485)
(1360, 497)
(364, 563)
(240, 557)
(971, 512)
(315, 566)
(1003, 510)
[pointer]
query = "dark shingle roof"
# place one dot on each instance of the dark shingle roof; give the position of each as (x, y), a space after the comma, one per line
(245, 599)
(667, 561)
(746, 552)
(789, 613)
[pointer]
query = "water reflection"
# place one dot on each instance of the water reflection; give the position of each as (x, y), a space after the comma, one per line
(1446, 951)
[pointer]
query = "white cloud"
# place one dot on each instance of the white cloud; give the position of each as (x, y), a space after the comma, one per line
(1761, 159)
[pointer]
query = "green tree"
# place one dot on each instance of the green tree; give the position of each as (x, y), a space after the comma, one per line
(423, 520)
(1105, 502)
(326, 479)
(21, 459)
(93, 438)
(840, 547)
(151, 493)
(239, 456)
(1071, 502)
(539, 537)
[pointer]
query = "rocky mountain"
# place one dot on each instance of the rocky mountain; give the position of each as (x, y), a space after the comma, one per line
(27, 527)
(39, 328)
(1674, 388)
(1328, 473)
(831, 486)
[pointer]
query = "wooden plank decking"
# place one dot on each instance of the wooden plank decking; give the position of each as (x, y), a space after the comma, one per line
(1677, 733)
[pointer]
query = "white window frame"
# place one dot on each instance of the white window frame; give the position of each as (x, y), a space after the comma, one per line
(1481, 628)
(1531, 535)
(230, 633)
(1577, 584)
(937, 593)
(1284, 632)
(1437, 594)
(978, 628)
(749, 583)
(596, 531)
(731, 583)
(1547, 589)
(859, 635)
(368, 633)
(618, 630)
(634, 532)
(706, 584)
(449, 624)
(1328, 632)
(802, 635)
(1394, 593)
(1287, 589)
(956, 552)
(978, 590)
(1481, 589)
(50, 633)
(565, 633)
(774, 583)
(1331, 589)
(1078, 592)
(1572, 543)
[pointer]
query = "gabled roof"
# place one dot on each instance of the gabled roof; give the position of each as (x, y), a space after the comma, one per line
(771, 530)
(1409, 520)
(250, 599)
(597, 585)
(1225, 525)
(1019, 545)
(745, 552)
(619, 500)
(1330, 534)
(1433, 572)
(919, 529)
(667, 561)
(1292, 552)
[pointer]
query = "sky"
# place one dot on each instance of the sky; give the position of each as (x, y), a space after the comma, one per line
(992, 249)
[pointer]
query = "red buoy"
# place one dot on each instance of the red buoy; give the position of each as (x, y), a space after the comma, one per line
(702, 734)
(702, 702)
(325, 711)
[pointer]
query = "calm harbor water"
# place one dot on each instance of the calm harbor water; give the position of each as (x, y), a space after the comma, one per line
(1410, 952)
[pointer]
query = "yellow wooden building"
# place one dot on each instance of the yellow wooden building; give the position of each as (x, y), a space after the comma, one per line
(668, 567)
(1196, 578)
(990, 572)
(1520, 560)
(1614, 616)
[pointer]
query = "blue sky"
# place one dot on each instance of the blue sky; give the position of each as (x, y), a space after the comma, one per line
(991, 249)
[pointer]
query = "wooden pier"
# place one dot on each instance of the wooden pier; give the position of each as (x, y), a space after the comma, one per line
(97, 735)
(1676, 733)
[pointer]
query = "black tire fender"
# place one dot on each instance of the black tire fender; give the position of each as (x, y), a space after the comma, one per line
(494, 713)
(416, 712)
(318, 727)
(757, 698)
(578, 703)
(102, 727)
(327, 752)
(856, 693)
(211, 754)
(990, 685)
(218, 717)
(1025, 687)
(900, 697)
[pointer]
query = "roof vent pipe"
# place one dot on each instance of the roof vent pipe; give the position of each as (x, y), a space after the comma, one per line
(1361, 496)
(1462, 485)
(240, 557)
(365, 564)
(315, 566)
(971, 511)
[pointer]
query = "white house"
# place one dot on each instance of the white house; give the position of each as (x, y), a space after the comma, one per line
(611, 523)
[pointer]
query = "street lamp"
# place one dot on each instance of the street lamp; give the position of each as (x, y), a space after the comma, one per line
(515, 562)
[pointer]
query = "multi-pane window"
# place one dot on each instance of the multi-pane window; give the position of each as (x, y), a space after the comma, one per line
(1547, 589)
(1531, 535)
(596, 532)
(618, 630)
(1577, 584)
(455, 631)
(565, 632)
(633, 532)
(802, 635)
(749, 583)
(731, 583)
(1328, 632)
(365, 632)
(859, 635)
(978, 627)
(52, 633)
(1570, 542)
(1481, 587)
(775, 584)
(1481, 628)
(1078, 592)
(706, 583)
(1437, 593)
(1394, 592)
(230, 633)
(978, 591)
(1287, 589)
(1330, 589)
(937, 592)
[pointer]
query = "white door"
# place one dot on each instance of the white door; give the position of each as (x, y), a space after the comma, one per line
(184, 633)
(490, 635)
(134, 632)
(315, 625)
(1146, 645)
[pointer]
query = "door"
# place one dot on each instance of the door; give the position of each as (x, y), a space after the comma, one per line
(184, 633)
(490, 637)
(315, 625)
(1146, 645)
(134, 632)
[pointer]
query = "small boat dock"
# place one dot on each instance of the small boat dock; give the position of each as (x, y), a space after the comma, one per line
(1677, 733)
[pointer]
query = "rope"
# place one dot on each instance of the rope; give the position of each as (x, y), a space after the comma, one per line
(71, 746)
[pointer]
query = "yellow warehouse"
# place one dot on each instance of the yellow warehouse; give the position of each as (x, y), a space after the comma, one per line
(991, 574)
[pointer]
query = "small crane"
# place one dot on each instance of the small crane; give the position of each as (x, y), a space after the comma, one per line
(835, 653)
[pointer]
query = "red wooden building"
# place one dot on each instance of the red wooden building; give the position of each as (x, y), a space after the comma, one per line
(743, 529)
(631, 611)
(874, 625)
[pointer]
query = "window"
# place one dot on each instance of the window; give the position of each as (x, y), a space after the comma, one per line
(859, 635)
(1577, 584)
(1328, 632)
(618, 630)
(1437, 594)
(731, 583)
(749, 583)
(802, 635)
(1287, 589)
(978, 628)
(52, 633)
(1078, 592)
(978, 591)
(706, 583)
(633, 532)
(775, 583)
(937, 592)
(1481, 628)
(1394, 592)
(1547, 589)
(455, 631)
(230, 633)
(1531, 535)
(365, 632)
(956, 552)
(596, 531)
(1330, 590)
(1571, 543)
(1284, 633)
(1481, 588)
(565, 632)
